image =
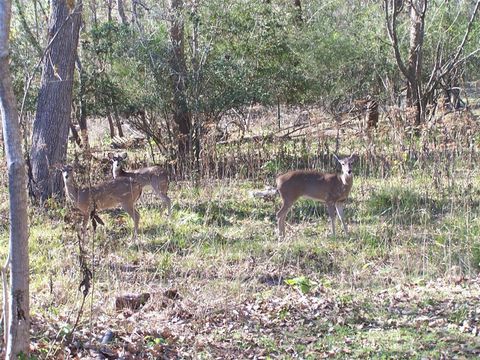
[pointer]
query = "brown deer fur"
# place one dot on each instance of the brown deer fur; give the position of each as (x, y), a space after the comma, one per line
(122, 192)
(331, 189)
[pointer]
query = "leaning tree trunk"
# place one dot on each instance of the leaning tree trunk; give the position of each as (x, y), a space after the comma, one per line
(178, 68)
(18, 343)
(50, 128)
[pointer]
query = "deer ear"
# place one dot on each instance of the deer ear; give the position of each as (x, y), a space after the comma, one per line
(124, 155)
(110, 155)
(336, 157)
(353, 157)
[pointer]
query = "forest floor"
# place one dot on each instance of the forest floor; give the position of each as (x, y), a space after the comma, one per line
(217, 283)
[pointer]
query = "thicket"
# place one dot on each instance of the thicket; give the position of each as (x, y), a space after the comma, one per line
(238, 53)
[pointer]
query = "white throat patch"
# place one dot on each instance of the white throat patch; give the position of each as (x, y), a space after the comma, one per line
(344, 178)
(114, 169)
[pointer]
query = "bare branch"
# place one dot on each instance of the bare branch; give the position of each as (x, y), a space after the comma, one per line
(391, 21)
(438, 61)
(454, 61)
(467, 32)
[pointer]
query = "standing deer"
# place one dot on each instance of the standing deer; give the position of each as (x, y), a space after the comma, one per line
(368, 107)
(124, 192)
(153, 176)
(332, 189)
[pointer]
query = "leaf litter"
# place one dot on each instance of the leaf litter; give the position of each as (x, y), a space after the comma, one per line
(436, 319)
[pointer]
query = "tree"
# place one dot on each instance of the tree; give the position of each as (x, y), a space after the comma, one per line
(50, 128)
(178, 68)
(419, 91)
(412, 71)
(298, 9)
(18, 325)
(121, 12)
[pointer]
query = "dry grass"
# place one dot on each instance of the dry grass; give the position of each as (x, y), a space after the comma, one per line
(413, 217)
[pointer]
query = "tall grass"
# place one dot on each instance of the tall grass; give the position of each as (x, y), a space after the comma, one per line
(413, 214)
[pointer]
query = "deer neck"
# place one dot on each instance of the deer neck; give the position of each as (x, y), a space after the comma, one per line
(117, 170)
(71, 189)
(346, 179)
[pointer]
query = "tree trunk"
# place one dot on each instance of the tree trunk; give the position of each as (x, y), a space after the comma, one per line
(75, 135)
(109, 10)
(82, 119)
(414, 67)
(181, 114)
(18, 344)
(412, 71)
(50, 128)
(298, 11)
(110, 125)
(118, 123)
(93, 11)
(121, 12)
(134, 12)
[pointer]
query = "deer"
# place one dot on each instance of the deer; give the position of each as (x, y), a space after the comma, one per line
(330, 188)
(110, 194)
(154, 176)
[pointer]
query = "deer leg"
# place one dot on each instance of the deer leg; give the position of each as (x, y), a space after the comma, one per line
(168, 203)
(339, 207)
(332, 214)
(135, 215)
(161, 192)
(281, 215)
(135, 224)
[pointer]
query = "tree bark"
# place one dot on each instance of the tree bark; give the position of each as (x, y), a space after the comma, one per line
(417, 10)
(93, 11)
(298, 11)
(121, 12)
(50, 128)
(178, 68)
(109, 10)
(110, 125)
(413, 70)
(118, 123)
(82, 119)
(19, 312)
(134, 12)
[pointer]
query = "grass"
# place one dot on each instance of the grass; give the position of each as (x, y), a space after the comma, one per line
(402, 284)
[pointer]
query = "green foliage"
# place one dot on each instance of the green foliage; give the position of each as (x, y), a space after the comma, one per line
(244, 52)
(124, 71)
(303, 283)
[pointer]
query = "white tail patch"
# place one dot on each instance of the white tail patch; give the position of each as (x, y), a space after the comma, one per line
(269, 191)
